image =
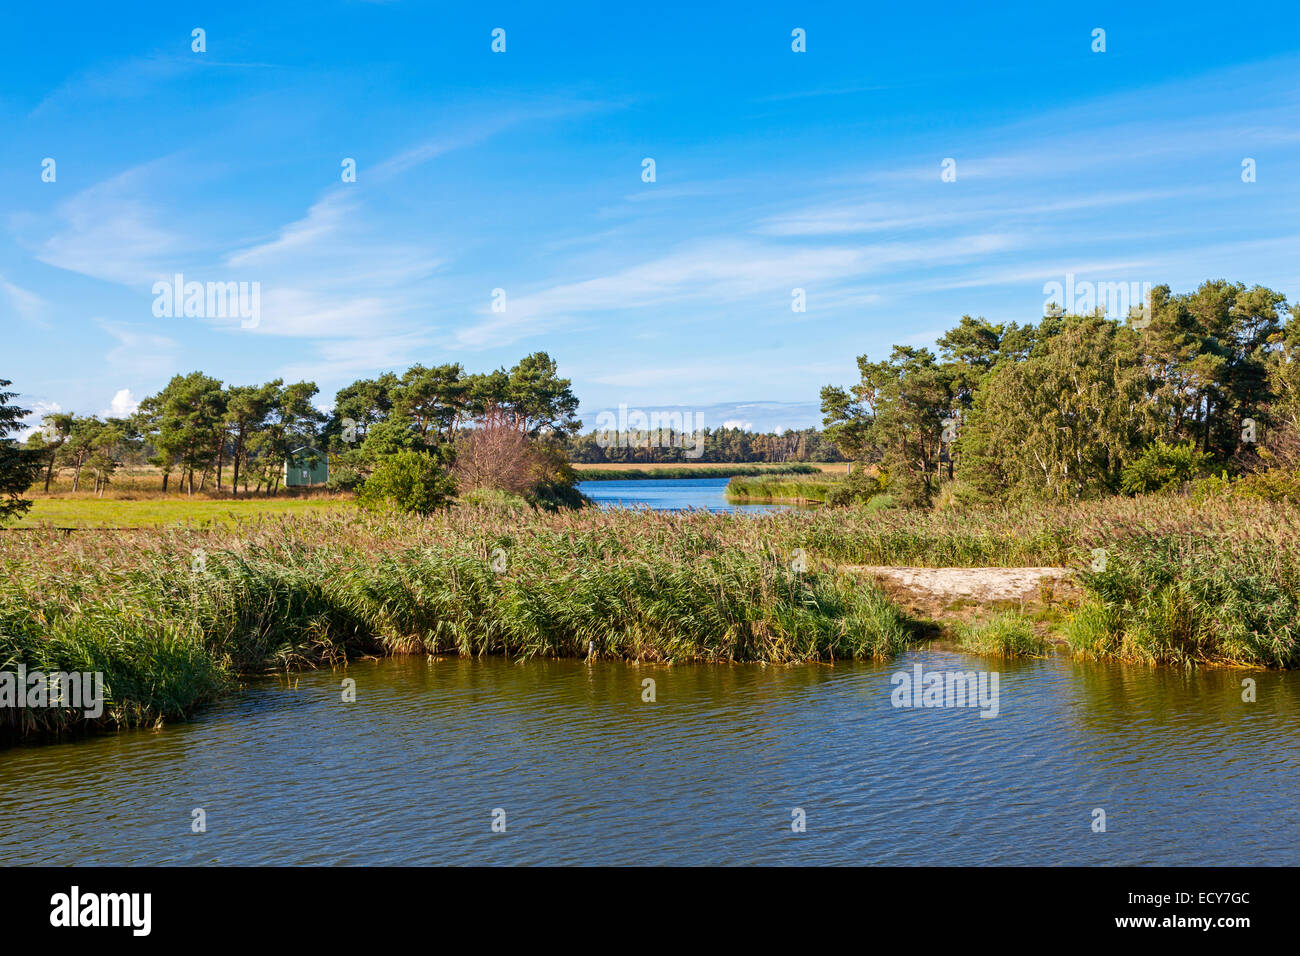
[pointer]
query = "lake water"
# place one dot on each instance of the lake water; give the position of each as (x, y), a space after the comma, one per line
(667, 494)
(710, 772)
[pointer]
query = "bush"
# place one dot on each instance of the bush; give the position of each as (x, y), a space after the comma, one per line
(1212, 488)
(909, 487)
(1163, 467)
(345, 478)
(497, 455)
(857, 488)
(493, 499)
(955, 495)
(409, 481)
(556, 496)
(1275, 484)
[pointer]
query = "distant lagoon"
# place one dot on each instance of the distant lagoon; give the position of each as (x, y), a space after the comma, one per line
(668, 494)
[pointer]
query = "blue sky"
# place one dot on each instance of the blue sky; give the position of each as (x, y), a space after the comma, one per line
(522, 171)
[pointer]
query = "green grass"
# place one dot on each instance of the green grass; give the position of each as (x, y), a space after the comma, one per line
(1180, 601)
(493, 499)
(172, 615)
(146, 512)
(785, 486)
(1008, 634)
(1181, 583)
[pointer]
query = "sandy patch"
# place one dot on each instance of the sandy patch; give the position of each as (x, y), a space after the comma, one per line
(964, 593)
(974, 584)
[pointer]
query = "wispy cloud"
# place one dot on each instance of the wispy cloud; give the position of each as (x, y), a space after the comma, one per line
(139, 352)
(131, 78)
(26, 303)
(108, 231)
(716, 272)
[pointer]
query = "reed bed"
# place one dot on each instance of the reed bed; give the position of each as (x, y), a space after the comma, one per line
(174, 615)
(1166, 579)
(1007, 634)
(776, 487)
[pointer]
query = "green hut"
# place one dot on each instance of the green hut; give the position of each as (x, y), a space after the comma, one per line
(306, 466)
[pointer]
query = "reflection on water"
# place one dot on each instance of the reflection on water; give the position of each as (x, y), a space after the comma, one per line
(709, 773)
(667, 494)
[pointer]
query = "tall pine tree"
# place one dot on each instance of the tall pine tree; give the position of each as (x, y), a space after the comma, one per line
(18, 466)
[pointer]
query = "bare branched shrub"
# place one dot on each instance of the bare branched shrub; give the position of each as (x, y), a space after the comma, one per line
(496, 455)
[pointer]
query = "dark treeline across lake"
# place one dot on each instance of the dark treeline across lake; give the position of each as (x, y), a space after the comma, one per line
(587, 772)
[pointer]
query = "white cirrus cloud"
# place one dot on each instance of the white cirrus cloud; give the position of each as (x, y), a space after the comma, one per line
(26, 303)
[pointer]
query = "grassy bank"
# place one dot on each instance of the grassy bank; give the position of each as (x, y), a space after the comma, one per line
(790, 487)
(1182, 599)
(1166, 580)
(173, 615)
(1007, 634)
(91, 512)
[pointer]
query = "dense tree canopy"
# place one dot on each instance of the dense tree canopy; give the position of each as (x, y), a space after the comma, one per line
(1059, 409)
(199, 429)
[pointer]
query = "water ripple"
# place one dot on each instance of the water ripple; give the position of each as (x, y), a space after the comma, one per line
(711, 772)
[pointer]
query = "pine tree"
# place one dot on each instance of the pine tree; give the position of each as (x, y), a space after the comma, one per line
(18, 466)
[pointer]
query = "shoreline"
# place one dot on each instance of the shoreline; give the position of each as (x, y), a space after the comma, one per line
(174, 616)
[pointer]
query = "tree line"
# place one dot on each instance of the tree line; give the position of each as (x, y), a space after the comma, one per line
(1076, 406)
(729, 445)
(201, 430)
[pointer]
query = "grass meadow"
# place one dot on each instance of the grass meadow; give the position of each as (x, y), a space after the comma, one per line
(91, 512)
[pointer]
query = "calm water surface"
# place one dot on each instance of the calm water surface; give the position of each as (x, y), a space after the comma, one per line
(667, 494)
(709, 773)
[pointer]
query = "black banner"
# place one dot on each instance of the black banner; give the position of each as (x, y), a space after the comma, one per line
(335, 905)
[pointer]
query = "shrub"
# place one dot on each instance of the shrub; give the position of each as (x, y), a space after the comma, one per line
(555, 495)
(955, 495)
(409, 481)
(909, 487)
(345, 478)
(493, 499)
(1275, 484)
(1211, 488)
(497, 455)
(857, 488)
(1163, 467)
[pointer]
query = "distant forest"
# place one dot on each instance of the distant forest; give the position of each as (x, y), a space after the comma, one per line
(729, 445)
